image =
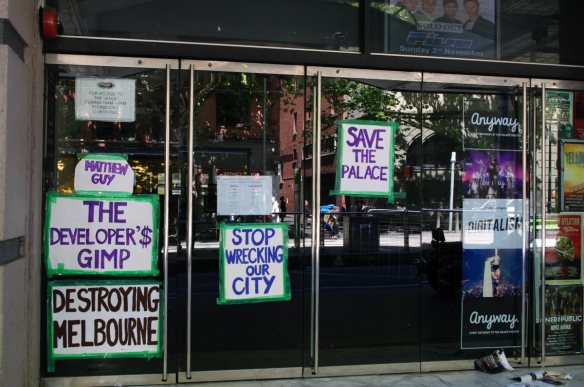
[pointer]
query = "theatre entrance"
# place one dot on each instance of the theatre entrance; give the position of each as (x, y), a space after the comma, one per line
(370, 283)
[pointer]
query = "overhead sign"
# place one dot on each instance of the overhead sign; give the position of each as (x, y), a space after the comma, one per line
(105, 99)
(104, 236)
(253, 263)
(365, 159)
(99, 173)
(244, 195)
(104, 319)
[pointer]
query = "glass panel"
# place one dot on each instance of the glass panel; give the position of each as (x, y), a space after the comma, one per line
(519, 31)
(245, 124)
(472, 199)
(283, 23)
(560, 157)
(142, 140)
(369, 267)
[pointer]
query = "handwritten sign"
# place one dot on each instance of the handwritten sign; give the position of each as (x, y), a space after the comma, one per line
(104, 236)
(105, 99)
(253, 263)
(366, 154)
(97, 173)
(106, 318)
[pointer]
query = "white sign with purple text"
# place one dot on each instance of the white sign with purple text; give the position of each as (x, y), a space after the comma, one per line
(104, 173)
(365, 158)
(104, 236)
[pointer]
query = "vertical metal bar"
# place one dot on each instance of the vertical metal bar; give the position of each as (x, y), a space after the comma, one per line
(316, 222)
(543, 217)
(313, 229)
(264, 127)
(166, 215)
(190, 216)
(525, 227)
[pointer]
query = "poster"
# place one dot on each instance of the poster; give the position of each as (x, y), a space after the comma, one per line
(492, 223)
(563, 253)
(253, 263)
(365, 159)
(492, 123)
(244, 195)
(578, 131)
(104, 319)
(563, 321)
(105, 99)
(452, 28)
(490, 174)
(559, 110)
(99, 235)
(572, 175)
(491, 298)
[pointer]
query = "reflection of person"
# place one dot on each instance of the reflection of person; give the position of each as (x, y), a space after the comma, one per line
(426, 13)
(476, 23)
(283, 208)
(510, 179)
(450, 10)
(492, 276)
(330, 222)
(307, 209)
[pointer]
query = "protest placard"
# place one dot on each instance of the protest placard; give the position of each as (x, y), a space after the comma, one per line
(253, 263)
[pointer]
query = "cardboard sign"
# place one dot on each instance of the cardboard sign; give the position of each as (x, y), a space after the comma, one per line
(365, 159)
(104, 319)
(105, 99)
(253, 263)
(103, 236)
(98, 173)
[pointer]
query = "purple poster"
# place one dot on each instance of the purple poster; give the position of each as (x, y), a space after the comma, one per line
(492, 174)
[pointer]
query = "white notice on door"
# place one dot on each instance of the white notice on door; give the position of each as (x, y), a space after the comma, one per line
(244, 195)
(105, 99)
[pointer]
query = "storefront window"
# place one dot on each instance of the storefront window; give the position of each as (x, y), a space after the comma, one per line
(329, 25)
(517, 31)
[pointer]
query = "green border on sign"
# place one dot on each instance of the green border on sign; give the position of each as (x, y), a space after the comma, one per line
(105, 156)
(52, 197)
(223, 227)
(50, 331)
(393, 126)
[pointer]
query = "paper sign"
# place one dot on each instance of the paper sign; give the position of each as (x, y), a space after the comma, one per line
(106, 236)
(105, 99)
(492, 223)
(244, 195)
(104, 319)
(365, 159)
(96, 173)
(253, 263)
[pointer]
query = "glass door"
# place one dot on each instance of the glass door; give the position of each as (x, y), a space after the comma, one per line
(409, 279)
(557, 203)
(243, 149)
(474, 177)
(366, 265)
(106, 322)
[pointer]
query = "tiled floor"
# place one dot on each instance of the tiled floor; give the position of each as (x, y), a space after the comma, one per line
(452, 378)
